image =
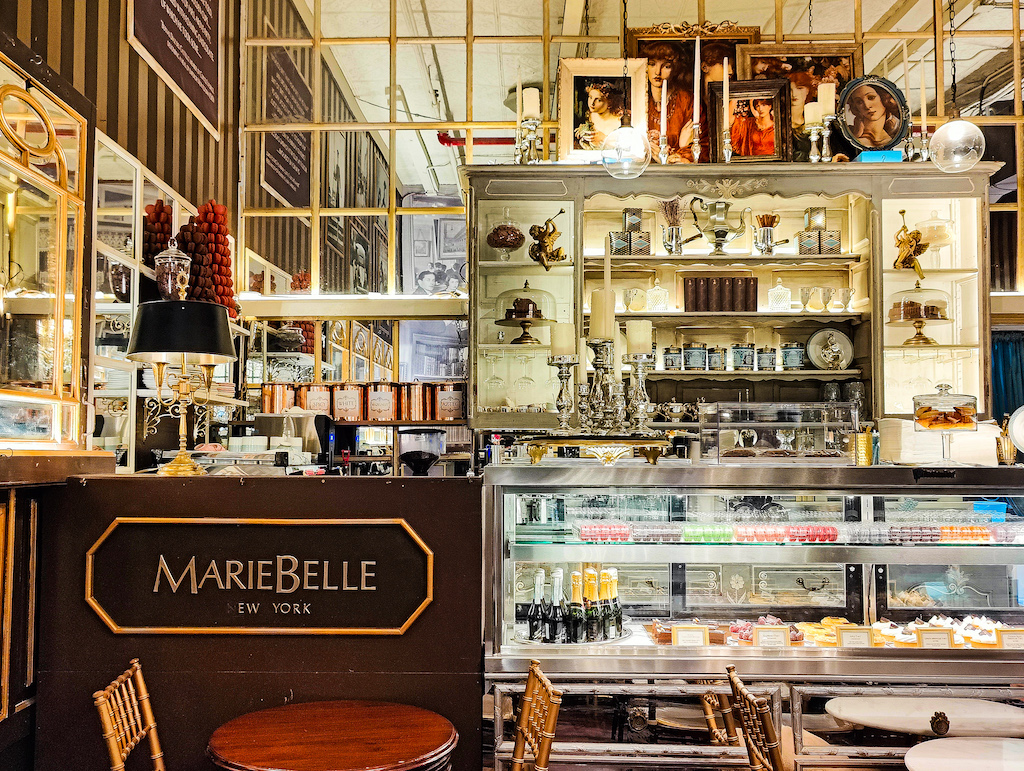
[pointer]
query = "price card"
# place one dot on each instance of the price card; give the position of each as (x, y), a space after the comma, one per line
(855, 637)
(771, 636)
(1010, 637)
(935, 638)
(690, 635)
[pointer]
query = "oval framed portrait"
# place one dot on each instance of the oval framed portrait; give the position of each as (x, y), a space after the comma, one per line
(873, 113)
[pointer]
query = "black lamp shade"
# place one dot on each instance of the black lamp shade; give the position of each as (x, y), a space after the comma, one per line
(166, 330)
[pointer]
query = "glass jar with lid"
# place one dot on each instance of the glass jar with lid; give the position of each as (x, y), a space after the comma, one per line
(936, 232)
(172, 272)
(917, 307)
(780, 298)
(525, 307)
(506, 236)
(946, 412)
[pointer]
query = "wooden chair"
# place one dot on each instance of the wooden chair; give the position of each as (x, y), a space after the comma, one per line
(717, 707)
(127, 718)
(538, 715)
(755, 718)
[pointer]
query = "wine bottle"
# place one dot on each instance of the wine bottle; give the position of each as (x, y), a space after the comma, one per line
(577, 618)
(616, 605)
(535, 613)
(605, 606)
(555, 621)
(595, 632)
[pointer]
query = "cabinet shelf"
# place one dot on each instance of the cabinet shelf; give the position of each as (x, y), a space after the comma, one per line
(809, 261)
(791, 374)
(530, 268)
(796, 554)
(400, 423)
(737, 318)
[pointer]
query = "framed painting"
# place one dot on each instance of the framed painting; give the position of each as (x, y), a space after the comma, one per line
(595, 97)
(873, 114)
(804, 65)
(670, 50)
(758, 115)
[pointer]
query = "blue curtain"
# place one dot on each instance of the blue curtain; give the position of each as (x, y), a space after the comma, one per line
(1007, 373)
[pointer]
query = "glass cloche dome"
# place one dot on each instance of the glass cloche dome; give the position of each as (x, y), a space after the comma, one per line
(917, 307)
(525, 307)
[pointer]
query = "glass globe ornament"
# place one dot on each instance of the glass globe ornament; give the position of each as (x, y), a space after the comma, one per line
(957, 146)
(626, 152)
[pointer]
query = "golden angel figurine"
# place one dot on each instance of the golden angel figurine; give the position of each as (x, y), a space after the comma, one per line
(910, 247)
(544, 251)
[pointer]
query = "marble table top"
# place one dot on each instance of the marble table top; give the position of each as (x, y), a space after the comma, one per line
(974, 753)
(912, 715)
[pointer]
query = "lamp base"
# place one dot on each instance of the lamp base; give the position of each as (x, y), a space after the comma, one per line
(181, 466)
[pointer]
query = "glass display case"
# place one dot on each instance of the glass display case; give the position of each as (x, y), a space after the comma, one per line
(732, 550)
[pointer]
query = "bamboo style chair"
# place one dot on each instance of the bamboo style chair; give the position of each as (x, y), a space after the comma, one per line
(755, 718)
(538, 716)
(717, 707)
(127, 718)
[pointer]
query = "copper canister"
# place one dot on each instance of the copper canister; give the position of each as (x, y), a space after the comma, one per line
(449, 402)
(315, 397)
(349, 401)
(415, 402)
(382, 401)
(277, 397)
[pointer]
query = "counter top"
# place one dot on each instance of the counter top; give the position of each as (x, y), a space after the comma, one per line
(40, 467)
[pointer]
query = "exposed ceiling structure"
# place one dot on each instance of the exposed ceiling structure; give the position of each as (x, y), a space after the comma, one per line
(432, 78)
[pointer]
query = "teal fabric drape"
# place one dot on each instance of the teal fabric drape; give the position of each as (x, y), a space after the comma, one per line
(1007, 373)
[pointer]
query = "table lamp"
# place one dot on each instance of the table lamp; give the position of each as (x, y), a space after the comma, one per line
(186, 333)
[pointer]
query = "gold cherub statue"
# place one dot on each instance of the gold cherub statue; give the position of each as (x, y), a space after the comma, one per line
(909, 244)
(545, 235)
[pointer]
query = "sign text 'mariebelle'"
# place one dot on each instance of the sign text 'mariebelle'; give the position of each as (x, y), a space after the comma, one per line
(282, 575)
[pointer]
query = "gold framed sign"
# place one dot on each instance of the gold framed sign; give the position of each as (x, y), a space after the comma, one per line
(182, 41)
(183, 575)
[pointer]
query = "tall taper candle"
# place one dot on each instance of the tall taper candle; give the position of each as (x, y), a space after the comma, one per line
(519, 100)
(620, 351)
(906, 70)
(924, 102)
(664, 107)
(726, 126)
(697, 90)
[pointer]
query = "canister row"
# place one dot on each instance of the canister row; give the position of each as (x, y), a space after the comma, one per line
(742, 356)
(354, 402)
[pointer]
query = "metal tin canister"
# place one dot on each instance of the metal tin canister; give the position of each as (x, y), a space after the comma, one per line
(766, 359)
(695, 356)
(277, 397)
(792, 356)
(382, 401)
(716, 359)
(413, 402)
(743, 356)
(349, 401)
(450, 400)
(673, 358)
(315, 397)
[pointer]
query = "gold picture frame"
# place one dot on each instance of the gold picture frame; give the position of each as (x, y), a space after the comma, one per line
(619, 85)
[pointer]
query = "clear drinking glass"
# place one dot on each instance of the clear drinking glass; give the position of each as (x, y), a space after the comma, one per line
(806, 293)
(826, 293)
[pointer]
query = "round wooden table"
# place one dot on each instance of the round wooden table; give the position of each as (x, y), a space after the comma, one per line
(335, 736)
(958, 754)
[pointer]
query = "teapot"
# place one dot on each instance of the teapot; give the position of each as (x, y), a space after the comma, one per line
(673, 409)
(716, 229)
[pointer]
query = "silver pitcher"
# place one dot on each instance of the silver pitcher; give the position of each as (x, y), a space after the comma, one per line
(764, 240)
(673, 239)
(717, 229)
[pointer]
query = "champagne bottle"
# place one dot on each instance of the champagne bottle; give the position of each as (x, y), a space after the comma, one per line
(577, 618)
(555, 621)
(616, 605)
(535, 613)
(605, 607)
(595, 632)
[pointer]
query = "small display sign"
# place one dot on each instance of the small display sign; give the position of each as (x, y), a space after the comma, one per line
(771, 636)
(690, 635)
(855, 637)
(937, 639)
(1011, 638)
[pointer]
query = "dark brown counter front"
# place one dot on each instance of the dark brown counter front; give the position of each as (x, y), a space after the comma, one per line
(280, 604)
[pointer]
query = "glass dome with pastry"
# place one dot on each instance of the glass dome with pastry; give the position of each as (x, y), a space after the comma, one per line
(946, 412)
(917, 307)
(525, 307)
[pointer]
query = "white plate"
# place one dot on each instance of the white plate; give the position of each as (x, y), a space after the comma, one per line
(1015, 428)
(819, 341)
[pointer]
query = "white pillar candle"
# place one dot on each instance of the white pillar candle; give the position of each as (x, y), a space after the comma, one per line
(602, 314)
(725, 96)
(812, 114)
(924, 103)
(697, 91)
(827, 98)
(563, 339)
(519, 100)
(531, 104)
(638, 336)
(664, 107)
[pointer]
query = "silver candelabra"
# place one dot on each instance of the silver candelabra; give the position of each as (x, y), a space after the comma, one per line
(826, 132)
(815, 130)
(528, 142)
(639, 402)
(605, 392)
(564, 401)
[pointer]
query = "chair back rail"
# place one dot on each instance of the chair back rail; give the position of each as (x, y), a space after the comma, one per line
(538, 716)
(755, 718)
(126, 716)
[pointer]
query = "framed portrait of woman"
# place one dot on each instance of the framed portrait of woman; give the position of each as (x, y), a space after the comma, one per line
(594, 99)
(872, 113)
(804, 65)
(670, 51)
(758, 117)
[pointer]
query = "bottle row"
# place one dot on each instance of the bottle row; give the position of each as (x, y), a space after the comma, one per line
(593, 613)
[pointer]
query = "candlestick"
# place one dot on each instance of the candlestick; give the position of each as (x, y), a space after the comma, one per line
(564, 401)
(563, 339)
(664, 107)
(826, 132)
(695, 145)
(663, 149)
(638, 336)
(531, 104)
(727, 145)
(906, 69)
(639, 401)
(815, 155)
(827, 98)
(725, 94)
